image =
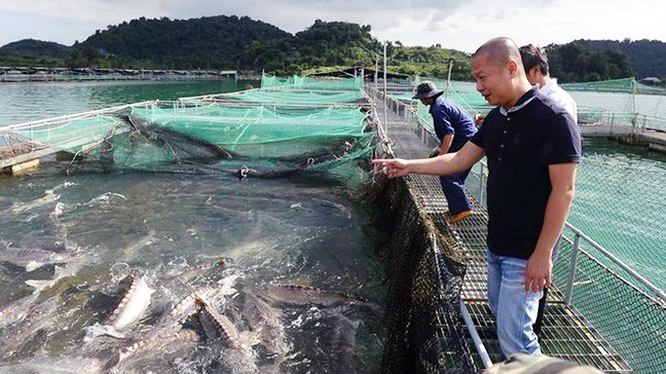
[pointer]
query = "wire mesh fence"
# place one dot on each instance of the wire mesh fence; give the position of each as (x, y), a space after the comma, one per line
(613, 322)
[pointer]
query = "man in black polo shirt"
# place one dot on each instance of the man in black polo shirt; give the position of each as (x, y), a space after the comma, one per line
(532, 146)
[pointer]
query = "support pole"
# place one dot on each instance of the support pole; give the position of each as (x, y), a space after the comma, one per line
(385, 93)
(448, 80)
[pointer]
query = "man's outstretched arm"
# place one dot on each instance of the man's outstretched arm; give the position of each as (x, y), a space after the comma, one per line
(446, 164)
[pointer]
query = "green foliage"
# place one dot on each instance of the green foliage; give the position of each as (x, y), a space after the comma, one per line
(326, 44)
(230, 42)
(647, 57)
(205, 43)
(322, 44)
(574, 62)
(430, 62)
(35, 47)
(33, 53)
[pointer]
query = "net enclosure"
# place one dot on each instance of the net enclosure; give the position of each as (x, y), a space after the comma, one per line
(272, 132)
(298, 125)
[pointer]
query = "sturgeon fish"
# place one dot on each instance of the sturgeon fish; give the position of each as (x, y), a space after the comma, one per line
(16, 311)
(342, 343)
(132, 305)
(218, 328)
(266, 321)
(192, 272)
(69, 270)
(305, 295)
(186, 307)
(36, 319)
(155, 343)
(32, 258)
(131, 250)
(49, 197)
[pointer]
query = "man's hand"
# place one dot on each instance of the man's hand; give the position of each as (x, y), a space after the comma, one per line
(539, 271)
(393, 168)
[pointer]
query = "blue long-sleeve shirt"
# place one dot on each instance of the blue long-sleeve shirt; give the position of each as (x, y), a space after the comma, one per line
(450, 118)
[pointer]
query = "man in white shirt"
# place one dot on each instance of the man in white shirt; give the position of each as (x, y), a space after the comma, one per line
(535, 62)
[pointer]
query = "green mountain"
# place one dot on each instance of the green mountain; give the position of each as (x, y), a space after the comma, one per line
(575, 62)
(206, 43)
(348, 44)
(35, 47)
(30, 52)
(230, 42)
(647, 57)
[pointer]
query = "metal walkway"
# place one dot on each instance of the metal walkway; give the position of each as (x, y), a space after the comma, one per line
(565, 333)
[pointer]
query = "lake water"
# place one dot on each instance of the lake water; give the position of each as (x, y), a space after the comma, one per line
(24, 102)
(270, 233)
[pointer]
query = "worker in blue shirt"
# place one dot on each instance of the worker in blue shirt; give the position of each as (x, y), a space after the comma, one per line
(454, 127)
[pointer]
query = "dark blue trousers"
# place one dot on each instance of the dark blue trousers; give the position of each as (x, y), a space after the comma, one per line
(453, 187)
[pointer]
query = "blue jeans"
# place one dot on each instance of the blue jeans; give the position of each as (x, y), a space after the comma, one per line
(453, 187)
(513, 307)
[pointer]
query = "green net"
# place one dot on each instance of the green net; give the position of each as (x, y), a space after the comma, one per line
(618, 204)
(298, 82)
(303, 98)
(463, 93)
(619, 103)
(265, 132)
(625, 85)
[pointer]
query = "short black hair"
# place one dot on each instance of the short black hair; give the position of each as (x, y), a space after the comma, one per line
(532, 56)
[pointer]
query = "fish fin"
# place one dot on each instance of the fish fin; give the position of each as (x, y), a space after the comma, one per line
(33, 265)
(39, 285)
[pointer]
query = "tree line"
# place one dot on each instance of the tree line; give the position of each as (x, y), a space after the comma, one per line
(240, 43)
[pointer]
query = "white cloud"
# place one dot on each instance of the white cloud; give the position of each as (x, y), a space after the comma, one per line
(459, 24)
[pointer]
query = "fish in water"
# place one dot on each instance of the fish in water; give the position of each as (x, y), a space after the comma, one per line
(186, 307)
(132, 305)
(266, 321)
(192, 272)
(341, 344)
(220, 330)
(68, 365)
(218, 327)
(304, 295)
(16, 311)
(37, 318)
(32, 258)
(131, 250)
(49, 197)
(154, 345)
(77, 261)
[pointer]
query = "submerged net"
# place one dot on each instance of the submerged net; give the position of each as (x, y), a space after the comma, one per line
(425, 332)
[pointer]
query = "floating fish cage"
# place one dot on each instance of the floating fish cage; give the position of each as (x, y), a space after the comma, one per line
(247, 233)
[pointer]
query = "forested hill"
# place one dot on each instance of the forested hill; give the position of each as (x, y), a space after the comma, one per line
(241, 43)
(646, 57)
(35, 47)
(349, 44)
(231, 42)
(206, 43)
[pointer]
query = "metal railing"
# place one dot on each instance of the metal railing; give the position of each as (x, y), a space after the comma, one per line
(576, 247)
(632, 283)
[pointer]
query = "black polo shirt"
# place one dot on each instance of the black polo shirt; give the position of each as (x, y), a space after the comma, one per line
(519, 144)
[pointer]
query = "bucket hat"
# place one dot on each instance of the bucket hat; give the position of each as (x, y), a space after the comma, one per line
(426, 90)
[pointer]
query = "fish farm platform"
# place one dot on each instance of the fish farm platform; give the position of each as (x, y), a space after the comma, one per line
(565, 333)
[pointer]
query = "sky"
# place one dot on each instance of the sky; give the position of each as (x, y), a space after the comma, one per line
(459, 24)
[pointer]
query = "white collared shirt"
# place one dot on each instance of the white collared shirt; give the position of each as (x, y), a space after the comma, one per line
(560, 96)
